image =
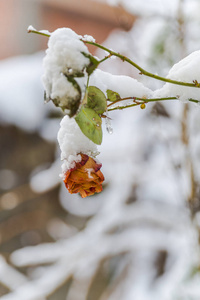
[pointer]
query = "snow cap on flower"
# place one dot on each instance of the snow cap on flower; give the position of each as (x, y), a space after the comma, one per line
(80, 170)
(64, 61)
(72, 142)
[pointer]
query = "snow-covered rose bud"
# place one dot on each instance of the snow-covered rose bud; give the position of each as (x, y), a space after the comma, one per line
(64, 66)
(85, 178)
(80, 170)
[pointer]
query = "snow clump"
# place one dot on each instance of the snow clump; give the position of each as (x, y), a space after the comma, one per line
(186, 70)
(125, 86)
(65, 60)
(73, 142)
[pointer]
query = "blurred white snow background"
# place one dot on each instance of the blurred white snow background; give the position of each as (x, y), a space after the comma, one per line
(139, 238)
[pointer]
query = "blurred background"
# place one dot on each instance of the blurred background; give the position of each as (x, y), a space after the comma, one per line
(139, 238)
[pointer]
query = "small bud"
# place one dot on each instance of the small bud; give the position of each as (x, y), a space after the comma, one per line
(143, 106)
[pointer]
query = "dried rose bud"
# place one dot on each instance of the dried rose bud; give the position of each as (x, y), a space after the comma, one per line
(85, 178)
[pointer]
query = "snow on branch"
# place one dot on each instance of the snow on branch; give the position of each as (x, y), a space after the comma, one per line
(73, 82)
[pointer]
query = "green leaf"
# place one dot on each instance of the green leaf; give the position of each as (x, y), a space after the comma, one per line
(112, 96)
(96, 100)
(90, 124)
(93, 63)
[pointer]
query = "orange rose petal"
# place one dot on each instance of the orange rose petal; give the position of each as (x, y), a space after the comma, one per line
(78, 176)
(83, 193)
(85, 178)
(100, 174)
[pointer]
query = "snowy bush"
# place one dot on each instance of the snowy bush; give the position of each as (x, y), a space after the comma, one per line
(141, 240)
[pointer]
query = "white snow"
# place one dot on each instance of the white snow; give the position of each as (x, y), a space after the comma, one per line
(88, 38)
(125, 86)
(73, 142)
(164, 8)
(9, 276)
(186, 70)
(63, 56)
(48, 177)
(61, 87)
(31, 28)
(144, 160)
(21, 92)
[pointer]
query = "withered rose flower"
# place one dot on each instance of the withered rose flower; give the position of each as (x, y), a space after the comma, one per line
(85, 178)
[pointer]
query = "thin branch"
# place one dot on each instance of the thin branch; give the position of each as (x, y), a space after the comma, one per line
(143, 71)
(142, 100)
(122, 107)
(105, 58)
(38, 32)
(194, 100)
(124, 58)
